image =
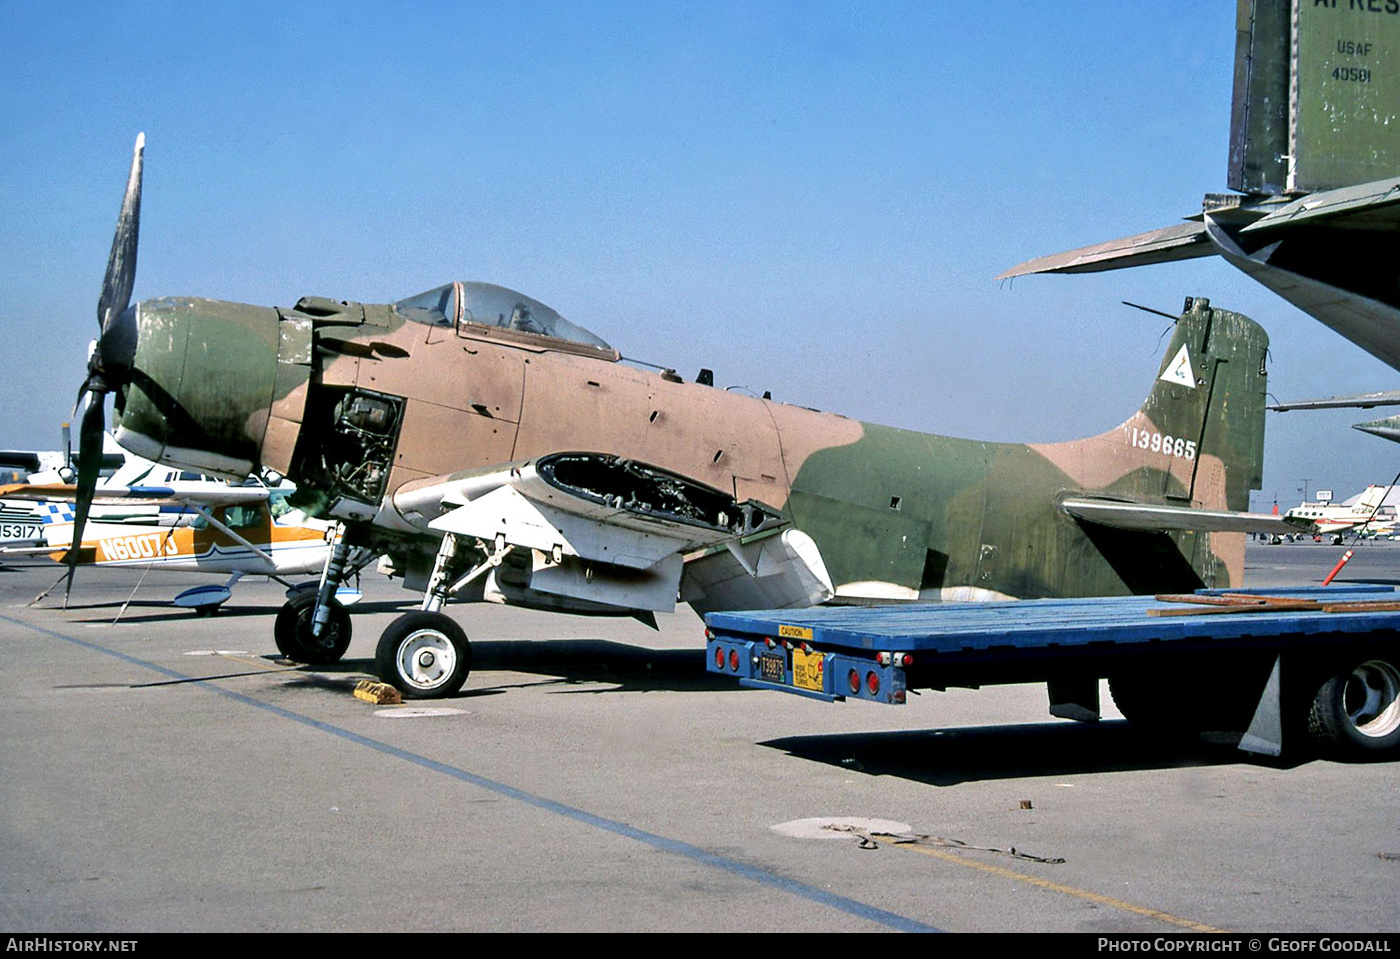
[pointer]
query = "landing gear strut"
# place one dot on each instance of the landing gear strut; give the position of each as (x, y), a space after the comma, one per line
(312, 626)
(425, 654)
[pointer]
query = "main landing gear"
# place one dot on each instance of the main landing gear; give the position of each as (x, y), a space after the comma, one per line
(425, 654)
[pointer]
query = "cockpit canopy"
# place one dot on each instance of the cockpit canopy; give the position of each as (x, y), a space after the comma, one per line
(491, 305)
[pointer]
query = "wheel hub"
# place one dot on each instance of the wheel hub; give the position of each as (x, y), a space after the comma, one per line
(426, 659)
(1372, 698)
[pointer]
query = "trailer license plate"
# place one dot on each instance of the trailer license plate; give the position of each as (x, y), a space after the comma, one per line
(772, 667)
(807, 670)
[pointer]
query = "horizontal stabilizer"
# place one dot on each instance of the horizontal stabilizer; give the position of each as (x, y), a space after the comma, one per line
(1160, 518)
(1366, 206)
(1358, 401)
(1184, 241)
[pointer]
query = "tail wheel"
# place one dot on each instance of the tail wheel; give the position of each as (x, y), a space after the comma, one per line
(1358, 712)
(424, 655)
(292, 632)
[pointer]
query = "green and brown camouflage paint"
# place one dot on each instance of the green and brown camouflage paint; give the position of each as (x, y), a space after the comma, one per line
(897, 515)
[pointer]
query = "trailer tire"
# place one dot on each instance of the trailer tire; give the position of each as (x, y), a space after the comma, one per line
(1146, 702)
(424, 655)
(1184, 703)
(1357, 713)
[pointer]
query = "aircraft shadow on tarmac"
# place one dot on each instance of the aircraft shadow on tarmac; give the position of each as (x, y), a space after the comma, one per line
(561, 662)
(947, 757)
(161, 611)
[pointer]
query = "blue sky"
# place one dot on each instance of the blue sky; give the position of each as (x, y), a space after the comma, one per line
(809, 198)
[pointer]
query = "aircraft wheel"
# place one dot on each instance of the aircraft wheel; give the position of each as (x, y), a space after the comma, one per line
(292, 632)
(424, 655)
(1357, 713)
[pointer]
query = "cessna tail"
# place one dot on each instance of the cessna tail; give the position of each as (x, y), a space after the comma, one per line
(1315, 162)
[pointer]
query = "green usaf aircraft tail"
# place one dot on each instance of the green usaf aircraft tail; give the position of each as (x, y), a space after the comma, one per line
(1137, 509)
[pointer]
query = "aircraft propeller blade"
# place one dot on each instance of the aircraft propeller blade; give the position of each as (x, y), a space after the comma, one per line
(121, 262)
(109, 365)
(90, 430)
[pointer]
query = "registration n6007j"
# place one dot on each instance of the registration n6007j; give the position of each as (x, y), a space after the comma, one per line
(146, 546)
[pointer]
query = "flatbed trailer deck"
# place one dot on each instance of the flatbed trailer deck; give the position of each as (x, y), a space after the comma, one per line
(1314, 664)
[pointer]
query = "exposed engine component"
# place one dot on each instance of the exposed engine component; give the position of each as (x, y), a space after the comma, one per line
(353, 459)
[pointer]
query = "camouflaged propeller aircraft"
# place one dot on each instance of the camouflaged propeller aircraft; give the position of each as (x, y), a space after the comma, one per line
(1315, 163)
(495, 451)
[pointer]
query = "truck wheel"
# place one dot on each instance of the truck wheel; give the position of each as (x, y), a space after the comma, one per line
(1357, 713)
(424, 655)
(292, 632)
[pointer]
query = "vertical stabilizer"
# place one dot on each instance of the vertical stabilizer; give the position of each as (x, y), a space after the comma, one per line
(1317, 94)
(1259, 115)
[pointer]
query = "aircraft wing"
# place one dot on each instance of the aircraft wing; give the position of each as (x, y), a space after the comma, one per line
(205, 494)
(597, 528)
(1183, 241)
(1164, 518)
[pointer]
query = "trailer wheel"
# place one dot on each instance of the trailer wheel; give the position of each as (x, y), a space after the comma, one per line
(1357, 713)
(424, 655)
(291, 631)
(1146, 702)
(1176, 702)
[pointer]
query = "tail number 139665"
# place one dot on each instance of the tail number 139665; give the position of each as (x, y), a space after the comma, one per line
(1164, 443)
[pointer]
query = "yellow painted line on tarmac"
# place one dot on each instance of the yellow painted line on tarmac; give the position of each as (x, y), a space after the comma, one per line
(1060, 887)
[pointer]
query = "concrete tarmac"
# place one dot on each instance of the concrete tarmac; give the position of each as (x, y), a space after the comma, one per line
(163, 772)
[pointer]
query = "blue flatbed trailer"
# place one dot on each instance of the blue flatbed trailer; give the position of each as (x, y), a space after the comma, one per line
(1313, 663)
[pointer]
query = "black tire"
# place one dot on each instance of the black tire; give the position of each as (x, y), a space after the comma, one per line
(1357, 713)
(1178, 701)
(424, 655)
(292, 632)
(1146, 702)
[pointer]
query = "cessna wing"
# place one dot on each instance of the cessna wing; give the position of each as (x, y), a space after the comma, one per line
(203, 494)
(1161, 518)
(594, 532)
